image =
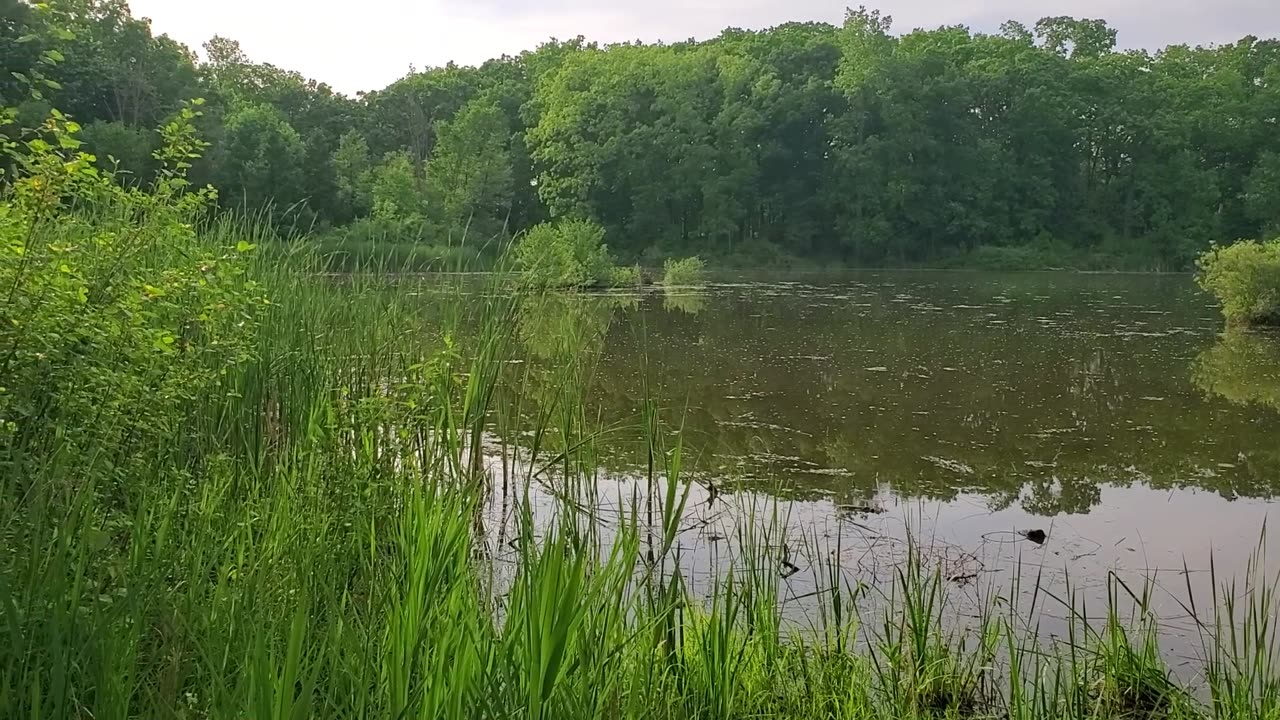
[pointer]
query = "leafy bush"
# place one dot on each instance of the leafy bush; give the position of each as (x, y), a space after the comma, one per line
(1245, 277)
(626, 276)
(689, 271)
(564, 254)
(119, 313)
(125, 149)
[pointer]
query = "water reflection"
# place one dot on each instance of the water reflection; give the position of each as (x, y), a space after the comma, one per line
(1243, 367)
(554, 326)
(870, 412)
(1033, 391)
(687, 301)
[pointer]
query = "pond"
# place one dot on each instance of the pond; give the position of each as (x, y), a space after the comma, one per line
(966, 410)
(1035, 390)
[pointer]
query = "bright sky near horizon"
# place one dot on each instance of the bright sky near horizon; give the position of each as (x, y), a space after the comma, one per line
(369, 45)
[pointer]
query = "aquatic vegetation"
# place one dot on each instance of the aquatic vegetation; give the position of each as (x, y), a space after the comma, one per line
(1245, 278)
(686, 271)
(626, 276)
(570, 254)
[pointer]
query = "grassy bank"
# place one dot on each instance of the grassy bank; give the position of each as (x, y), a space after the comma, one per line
(401, 257)
(319, 546)
(554, 263)
(232, 487)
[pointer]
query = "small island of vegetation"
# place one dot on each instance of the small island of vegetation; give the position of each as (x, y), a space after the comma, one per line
(572, 254)
(1245, 277)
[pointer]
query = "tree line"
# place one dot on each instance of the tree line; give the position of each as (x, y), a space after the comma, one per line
(845, 144)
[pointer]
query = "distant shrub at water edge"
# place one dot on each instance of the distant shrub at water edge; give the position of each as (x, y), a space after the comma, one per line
(689, 271)
(1245, 277)
(625, 276)
(564, 254)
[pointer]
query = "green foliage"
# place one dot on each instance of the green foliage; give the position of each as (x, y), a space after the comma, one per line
(805, 143)
(230, 487)
(123, 149)
(689, 271)
(395, 246)
(351, 167)
(1245, 278)
(397, 190)
(117, 311)
(1262, 193)
(564, 254)
(470, 170)
(260, 158)
(626, 276)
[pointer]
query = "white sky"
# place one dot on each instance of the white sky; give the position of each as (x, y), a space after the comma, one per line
(367, 45)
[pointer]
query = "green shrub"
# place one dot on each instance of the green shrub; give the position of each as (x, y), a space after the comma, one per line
(564, 254)
(689, 271)
(119, 313)
(626, 276)
(1245, 277)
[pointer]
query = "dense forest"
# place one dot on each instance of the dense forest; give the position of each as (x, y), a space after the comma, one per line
(1036, 146)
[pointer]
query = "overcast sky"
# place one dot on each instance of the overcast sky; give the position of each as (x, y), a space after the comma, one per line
(367, 44)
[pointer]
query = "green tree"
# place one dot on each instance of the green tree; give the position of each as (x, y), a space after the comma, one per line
(1076, 37)
(1041, 146)
(351, 167)
(123, 148)
(470, 170)
(260, 160)
(1262, 194)
(404, 115)
(318, 115)
(397, 190)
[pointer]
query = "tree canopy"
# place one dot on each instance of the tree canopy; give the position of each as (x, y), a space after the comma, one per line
(840, 144)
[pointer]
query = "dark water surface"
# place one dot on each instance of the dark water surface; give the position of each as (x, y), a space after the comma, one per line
(1109, 411)
(1032, 390)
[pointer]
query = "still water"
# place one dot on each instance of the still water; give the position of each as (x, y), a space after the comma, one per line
(1110, 412)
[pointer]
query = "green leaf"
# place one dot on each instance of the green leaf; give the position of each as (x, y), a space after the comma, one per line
(244, 246)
